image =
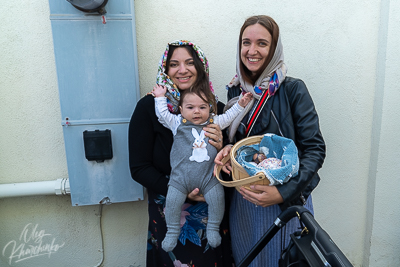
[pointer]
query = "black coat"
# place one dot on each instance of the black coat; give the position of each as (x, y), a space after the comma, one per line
(297, 119)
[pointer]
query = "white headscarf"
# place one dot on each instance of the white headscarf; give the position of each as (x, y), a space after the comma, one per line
(264, 82)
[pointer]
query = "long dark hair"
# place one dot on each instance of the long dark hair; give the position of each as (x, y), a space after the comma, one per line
(273, 28)
(201, 85)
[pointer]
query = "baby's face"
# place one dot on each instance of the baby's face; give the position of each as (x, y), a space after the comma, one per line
(194, 109)
(258, 157)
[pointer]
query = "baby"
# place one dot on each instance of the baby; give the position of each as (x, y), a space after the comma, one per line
(192, 159)
(262, 161)
(275, 156)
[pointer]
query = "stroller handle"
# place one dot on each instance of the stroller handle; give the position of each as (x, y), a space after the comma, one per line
(291, 212)
(331, 255)
(280, 221)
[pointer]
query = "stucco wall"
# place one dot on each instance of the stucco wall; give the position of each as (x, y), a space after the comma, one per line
(32, 149)
(338, 48)
(385, 237)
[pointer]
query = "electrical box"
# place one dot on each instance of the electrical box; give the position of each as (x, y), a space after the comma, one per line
(96, 61)
(98, 145)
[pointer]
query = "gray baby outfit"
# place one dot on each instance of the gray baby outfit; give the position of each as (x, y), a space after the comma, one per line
(188, 173)
(188, 161)
(192, 163)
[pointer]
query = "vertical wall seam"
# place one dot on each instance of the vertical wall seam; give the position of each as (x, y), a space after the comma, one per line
(135, 50)
(376, 124)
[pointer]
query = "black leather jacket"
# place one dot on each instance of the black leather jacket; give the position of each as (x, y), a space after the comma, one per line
(297, 119)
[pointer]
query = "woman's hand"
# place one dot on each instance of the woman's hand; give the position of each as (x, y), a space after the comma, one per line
(214, 133)
(227, 168)
(194, 195)
(269, 196)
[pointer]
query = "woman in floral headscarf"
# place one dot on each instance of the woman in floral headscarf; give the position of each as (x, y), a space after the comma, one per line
(182, 66)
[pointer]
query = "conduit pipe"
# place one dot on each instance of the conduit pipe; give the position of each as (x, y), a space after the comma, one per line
(43, 188)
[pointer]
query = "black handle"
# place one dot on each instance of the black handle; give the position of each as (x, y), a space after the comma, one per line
(281, 221)
(329, 252)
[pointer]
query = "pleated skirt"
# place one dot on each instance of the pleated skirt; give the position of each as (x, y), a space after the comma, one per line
(249, 223)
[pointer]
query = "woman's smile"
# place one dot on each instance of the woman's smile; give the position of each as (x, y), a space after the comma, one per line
(181, 69)
(183, 79)
(256, 42)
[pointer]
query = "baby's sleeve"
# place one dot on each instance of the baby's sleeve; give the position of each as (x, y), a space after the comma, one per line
(166, 118)
(227, 118)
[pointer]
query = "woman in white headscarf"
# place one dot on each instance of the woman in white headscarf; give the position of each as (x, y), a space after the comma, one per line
(281, 105)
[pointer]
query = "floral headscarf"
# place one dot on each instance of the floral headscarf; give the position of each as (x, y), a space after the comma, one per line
(173, 94)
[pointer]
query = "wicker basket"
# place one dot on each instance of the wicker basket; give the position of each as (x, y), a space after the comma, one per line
(239, 175)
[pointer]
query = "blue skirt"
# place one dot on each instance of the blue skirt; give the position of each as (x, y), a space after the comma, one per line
(249, 223)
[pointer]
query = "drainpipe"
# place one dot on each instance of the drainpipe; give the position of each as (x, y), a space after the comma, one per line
(43, 188)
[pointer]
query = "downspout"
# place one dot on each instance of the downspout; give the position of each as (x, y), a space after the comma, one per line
(43, 188)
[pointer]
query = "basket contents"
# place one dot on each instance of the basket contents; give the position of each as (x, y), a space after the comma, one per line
(274, 156)
(260, 160)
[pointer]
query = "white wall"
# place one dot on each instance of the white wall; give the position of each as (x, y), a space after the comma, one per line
(32, 149)
(345, 51)
(385, 237)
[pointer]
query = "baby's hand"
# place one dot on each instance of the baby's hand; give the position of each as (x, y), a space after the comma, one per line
(159, 91)
(245, 99)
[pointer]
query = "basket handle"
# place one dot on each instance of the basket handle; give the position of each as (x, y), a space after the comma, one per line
(240, 182)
